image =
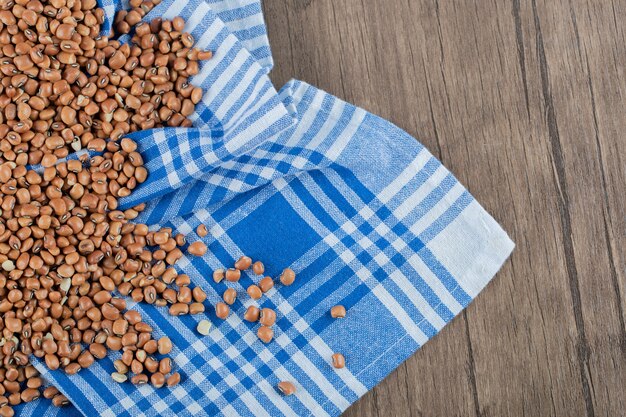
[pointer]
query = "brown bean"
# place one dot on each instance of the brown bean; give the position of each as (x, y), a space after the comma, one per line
(266, 284)
(120, 327)
(230, 295)
(254, 292)
(202, 230)
(173, 379)
(233, 275)
(165, 366)
(258, 268)
(267, 317)
(72, 368)
(109, 312)
(338, 360)
(338, 311)
(6, 411)
(196, 308)
(60, 400)
(68, 245)
(50, 392)
(218, 275)
(52, 361)
(179, 309)
(98, 350)
(288, 276)
(286, 388)
(86, 359)
(252, 314)
(164, 345)
(140, 379)
(197, 248)
(265, 334)
(243, 263)
(222, 310)
(198, 294)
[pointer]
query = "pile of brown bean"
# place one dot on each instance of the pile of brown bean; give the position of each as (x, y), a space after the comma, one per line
(66, 88)
(65, 248)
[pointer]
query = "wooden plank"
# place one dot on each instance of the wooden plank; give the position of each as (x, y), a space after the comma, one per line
(523, 100)
(580, 172)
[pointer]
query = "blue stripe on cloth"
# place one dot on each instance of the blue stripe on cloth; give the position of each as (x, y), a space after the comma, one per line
(364, 214)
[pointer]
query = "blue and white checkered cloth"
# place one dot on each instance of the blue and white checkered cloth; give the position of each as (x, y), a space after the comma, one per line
(364, 214)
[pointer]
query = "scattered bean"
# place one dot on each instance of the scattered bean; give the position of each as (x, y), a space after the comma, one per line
(157, 380)
(139, 379)
(218, 275)
(338, 360)
(258, 268)
(222, 310)
(288, 276)
(267, 317)
(338, 312)
(230, 295)
(196, 308)
(60, 400)
(266, 284)
(202, 231)
(265, 334)
(164, 345)
(197, 248)
(286, 388)
(252, 314)
(254, 292)
(243, 263)
(118, 377)
(233, 275)
(199, 295)
(204, 327)
(173, 380)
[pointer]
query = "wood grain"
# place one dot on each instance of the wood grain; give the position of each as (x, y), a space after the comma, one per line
(524, 101)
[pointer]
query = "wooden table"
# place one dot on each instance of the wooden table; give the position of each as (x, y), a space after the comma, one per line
(525, 101)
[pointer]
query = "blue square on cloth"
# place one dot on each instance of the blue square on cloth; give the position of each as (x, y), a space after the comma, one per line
(272, 228)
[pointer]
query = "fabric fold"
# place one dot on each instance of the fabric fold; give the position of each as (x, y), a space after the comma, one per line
(367, 217)
(239, 111)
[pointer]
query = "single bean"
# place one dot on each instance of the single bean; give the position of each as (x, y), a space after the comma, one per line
(252, 314)
(338, 311)
(203, 327)
(222, 310)
(258, 268)
(288, 276)
(338, 360)
(173, 379)
(286, 388)
(266, 284)
(197, 248)
(233, 275)
(254, 292)
(230, 295)
(265, 334)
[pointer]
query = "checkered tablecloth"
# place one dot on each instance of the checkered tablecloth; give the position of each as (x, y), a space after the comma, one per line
(364, 214)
